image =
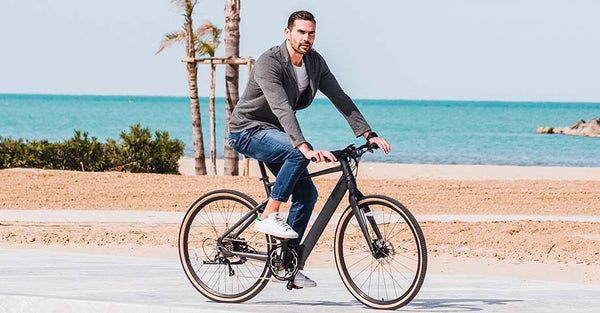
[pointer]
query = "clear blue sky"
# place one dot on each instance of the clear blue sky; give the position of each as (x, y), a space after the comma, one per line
(534, 50)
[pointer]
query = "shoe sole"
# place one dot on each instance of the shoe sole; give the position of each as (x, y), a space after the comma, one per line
(309, 286)
(275, 235)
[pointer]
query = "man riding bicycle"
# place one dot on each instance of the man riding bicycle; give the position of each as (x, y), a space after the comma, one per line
(263, 126)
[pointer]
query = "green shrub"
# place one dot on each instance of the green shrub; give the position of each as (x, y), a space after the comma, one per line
(79, 152)
(141, 154)
(137, 152)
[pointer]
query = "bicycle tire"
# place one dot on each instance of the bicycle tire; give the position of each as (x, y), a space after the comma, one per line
(402, 265)
(205, 221)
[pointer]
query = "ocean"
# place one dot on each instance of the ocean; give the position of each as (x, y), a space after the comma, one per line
(419, 131)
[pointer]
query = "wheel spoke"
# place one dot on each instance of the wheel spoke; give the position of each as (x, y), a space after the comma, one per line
(390, 277)
(212, 218)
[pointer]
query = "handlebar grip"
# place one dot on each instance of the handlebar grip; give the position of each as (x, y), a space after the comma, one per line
(373, 146)
(313, 159)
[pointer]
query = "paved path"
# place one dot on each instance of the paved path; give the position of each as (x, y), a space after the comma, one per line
(75, 216)
(370, 170)
(45, 281)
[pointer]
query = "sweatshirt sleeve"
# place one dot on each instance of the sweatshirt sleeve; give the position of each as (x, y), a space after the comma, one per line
(269, 76)
(330, 87)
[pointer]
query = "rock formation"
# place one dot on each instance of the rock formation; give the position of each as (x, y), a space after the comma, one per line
(590, 128)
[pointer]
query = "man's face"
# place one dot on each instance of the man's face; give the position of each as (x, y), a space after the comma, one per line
(301, 36)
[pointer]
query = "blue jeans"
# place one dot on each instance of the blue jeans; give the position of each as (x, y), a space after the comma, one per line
(287, 163)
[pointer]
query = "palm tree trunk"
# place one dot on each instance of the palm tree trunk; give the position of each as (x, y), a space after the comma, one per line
(232, 49)
(200, 163)
(213, 138)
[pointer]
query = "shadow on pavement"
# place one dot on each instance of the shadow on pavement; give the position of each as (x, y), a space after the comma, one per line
(457, 305)
(436, 305)
(311, 303)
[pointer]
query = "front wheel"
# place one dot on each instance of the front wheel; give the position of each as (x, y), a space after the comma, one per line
(392, 275)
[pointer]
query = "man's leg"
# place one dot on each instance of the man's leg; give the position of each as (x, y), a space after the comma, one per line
(304, 198)
(274, 147)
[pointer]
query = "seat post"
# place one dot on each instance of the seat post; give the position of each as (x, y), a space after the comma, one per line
(264, 178)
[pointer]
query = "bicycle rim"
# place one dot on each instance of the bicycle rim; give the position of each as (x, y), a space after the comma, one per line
(206, 268)
(394, 278)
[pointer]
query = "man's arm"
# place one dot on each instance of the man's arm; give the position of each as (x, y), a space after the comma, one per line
(331, 88)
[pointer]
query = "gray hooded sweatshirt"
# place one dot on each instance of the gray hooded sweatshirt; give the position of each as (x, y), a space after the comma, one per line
(272, 97)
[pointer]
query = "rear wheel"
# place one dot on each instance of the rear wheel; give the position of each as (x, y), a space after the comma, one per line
(217, 275)
(392, 276)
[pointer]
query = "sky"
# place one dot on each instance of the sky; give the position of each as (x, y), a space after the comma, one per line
(502, 50)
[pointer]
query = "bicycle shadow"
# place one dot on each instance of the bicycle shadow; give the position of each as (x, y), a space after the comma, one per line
(352, 303)
(419, 305)
(457, 305)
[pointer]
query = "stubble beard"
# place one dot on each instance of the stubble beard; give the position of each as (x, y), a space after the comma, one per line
(299, 49)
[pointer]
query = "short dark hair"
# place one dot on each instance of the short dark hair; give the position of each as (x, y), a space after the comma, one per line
(300, 15)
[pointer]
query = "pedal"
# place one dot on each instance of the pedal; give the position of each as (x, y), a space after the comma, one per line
(290, 285)
(280, 238)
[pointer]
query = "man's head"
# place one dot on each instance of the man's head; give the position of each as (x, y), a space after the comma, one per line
(300, 31)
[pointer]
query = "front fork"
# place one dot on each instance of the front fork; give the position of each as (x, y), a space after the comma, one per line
(354, 195)
(362, 222)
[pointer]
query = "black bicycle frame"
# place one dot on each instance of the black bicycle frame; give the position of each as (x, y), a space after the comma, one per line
(346, 182)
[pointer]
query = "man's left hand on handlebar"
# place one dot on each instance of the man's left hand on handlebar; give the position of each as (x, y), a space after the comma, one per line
(379, 141)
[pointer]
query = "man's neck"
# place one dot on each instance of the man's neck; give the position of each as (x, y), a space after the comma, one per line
(295, 57)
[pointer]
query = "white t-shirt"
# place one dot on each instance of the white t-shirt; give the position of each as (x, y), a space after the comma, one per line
(301, 76)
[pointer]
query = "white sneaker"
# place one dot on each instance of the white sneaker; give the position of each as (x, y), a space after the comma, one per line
(302, 281)
(274, 225)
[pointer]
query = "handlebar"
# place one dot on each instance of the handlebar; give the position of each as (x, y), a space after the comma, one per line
(351, 151)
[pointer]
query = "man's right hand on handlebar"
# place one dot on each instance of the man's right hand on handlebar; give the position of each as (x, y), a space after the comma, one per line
(316, 155)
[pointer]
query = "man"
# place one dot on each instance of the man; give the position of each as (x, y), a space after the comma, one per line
(263, 126)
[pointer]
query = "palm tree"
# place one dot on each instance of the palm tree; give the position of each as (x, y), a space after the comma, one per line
(232, 50)
(204, 41)
(209, 41)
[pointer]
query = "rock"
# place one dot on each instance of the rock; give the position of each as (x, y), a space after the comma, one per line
(590, 128)
(544, 130)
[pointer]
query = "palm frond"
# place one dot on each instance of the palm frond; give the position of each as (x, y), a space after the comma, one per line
(170, 39)
(207, 39)
(184, 4)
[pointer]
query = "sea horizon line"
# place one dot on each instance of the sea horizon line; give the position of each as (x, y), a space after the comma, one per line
(125, 96)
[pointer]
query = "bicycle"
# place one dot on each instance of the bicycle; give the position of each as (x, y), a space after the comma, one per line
(379, 247)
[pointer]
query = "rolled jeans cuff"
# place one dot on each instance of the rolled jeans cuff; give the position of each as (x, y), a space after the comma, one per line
(278, 197)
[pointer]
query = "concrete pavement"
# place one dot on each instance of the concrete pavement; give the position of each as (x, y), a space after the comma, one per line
(47, 281)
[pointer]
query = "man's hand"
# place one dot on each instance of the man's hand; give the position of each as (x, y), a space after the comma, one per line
(379, 141)
(318, 155)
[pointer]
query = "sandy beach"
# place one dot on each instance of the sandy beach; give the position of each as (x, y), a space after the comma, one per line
(560, 248)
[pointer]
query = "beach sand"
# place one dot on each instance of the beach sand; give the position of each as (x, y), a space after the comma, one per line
(560, 249)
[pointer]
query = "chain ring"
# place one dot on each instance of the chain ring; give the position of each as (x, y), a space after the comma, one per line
(282, 271)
